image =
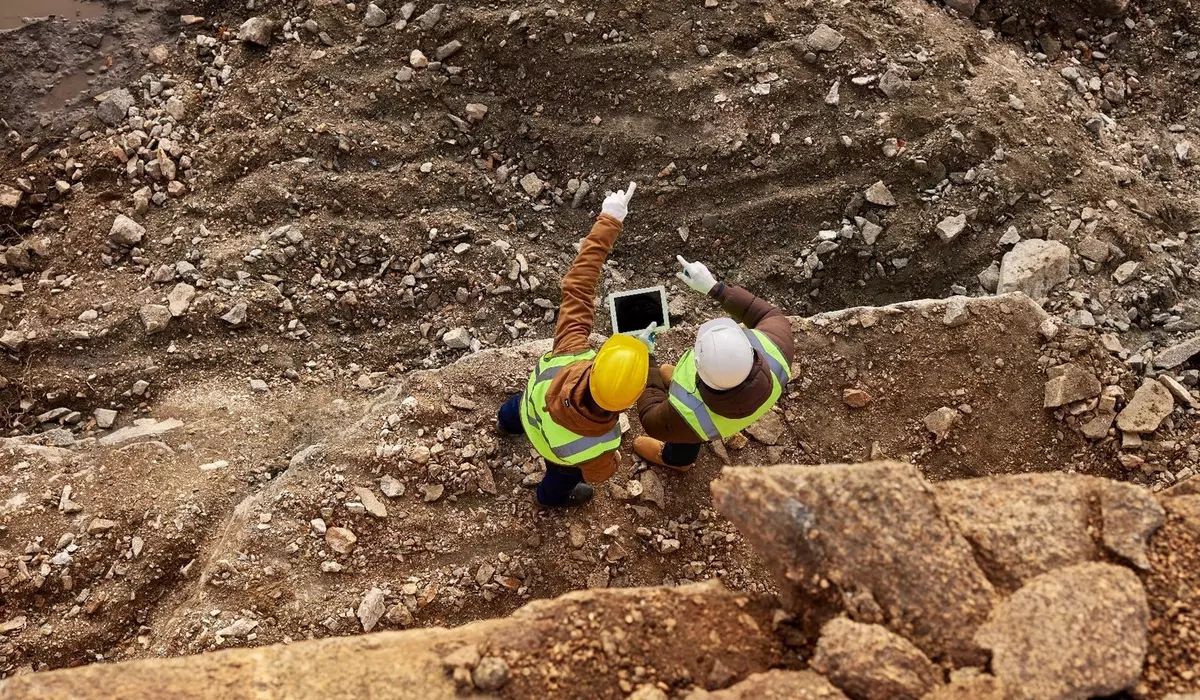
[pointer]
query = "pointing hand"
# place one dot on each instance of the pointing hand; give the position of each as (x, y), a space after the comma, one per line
(696, 276)
(616, 204)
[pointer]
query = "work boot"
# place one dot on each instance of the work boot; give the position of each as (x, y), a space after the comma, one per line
(666, 372)
(580, 495)
(651, 450)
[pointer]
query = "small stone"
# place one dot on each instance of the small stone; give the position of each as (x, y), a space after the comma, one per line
(768, 429)
(105, 417)
(855, 398)
(98, 525)
(180, 298)
(950, 227)
(318, 526)
(416, 59)
(462, 403)
(13, 340)
(375, 17)
(1034, 266)
(1069, 383)
(258, 386)
(940, 422)
(1178, 390)
(126, 231)
(476, 111)
(652, 488)
(462, 657)
(879, 195)
(431, 17)
(158, 55)
(391, 486)
(1094, 249)
(340, 540)
(1010, 237)
(825, 38)
(256, 30)
(1173, 356)
(956, 312)
(532, 185)
(834, 97)
(240, 628)
(1048, 328)
(371, 502)
(155, 318)
(457, 338)
(371, 608)
(400, 616)
(433, 492)
(1126, 271)
(10, 197)
(447, 50)
(1151, 403)
(236, 316)
(115, 107)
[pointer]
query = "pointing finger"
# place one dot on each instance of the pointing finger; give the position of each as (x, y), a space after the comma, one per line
(683, 262)
(629, 192)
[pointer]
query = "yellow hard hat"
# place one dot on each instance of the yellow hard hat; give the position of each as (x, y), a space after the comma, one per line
(619, 372)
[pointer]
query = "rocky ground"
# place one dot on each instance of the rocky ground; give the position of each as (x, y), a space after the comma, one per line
(269, 268)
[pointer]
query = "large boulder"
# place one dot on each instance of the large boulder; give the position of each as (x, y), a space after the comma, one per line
(867, 662)
(1076, 632)
(1024, 525)
(1034, 266)
(865, 538)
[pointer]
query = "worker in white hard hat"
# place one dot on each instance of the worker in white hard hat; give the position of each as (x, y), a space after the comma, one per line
(729, 379)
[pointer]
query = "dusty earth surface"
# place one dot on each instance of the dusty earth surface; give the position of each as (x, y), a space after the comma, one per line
(342, 254)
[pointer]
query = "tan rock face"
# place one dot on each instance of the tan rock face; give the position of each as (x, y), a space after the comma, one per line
(868, 662)
(821, 529)
(1070, 383)
(776, 685)
(1028, 524)
(1076, 632)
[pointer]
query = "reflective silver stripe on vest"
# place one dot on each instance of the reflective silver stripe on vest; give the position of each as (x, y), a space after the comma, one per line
(777, 368)
(549, 373)
(698, 409)
(584, 444)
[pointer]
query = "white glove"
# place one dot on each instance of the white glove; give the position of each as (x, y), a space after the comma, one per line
(696, 276)
(616, 204)
(647, 336)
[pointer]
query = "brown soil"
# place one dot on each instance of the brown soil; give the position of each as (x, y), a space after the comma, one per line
(325, 139)
(1173, 587)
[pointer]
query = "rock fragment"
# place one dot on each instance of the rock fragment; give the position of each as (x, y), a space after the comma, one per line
(1069, 383)
(940, 422)
(371, 608)
(126, 231)
(869, 662)
(371, 502)
(391, 486)
(115, 107)
(1075, 632)
(950, 227)
(10, 197)
(375, 16)
(155, 318)
(457, 338)
(957, 312)
(1178, 353)
(105, 417)
(490, 674)
(825, 39)
(774, 685)
(855, 398)
(236, 316)
(180, 298)
(879, 195)
(1126, 271)
(256, 30)
(1151, 403)
(1034, 266)
(340, 540)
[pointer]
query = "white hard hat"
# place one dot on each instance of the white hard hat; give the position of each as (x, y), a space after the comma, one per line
(724, 357)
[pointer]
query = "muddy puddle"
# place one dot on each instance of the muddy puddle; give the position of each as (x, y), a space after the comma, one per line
(71, 85)
(12, 11)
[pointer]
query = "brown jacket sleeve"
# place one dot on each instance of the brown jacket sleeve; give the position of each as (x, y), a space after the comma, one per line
(658, 417)
(577, 312)
(758, 314)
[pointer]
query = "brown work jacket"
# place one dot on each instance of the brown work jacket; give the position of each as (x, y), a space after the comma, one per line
(659, 418)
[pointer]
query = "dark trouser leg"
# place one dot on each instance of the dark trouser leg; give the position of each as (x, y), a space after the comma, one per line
(680, 454)
(557, 485)
(509, 417)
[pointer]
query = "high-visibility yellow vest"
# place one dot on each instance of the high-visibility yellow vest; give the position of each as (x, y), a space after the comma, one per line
(551, 440)
(685, 393)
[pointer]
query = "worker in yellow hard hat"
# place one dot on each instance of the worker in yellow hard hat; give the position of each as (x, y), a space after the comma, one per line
(570, 406)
